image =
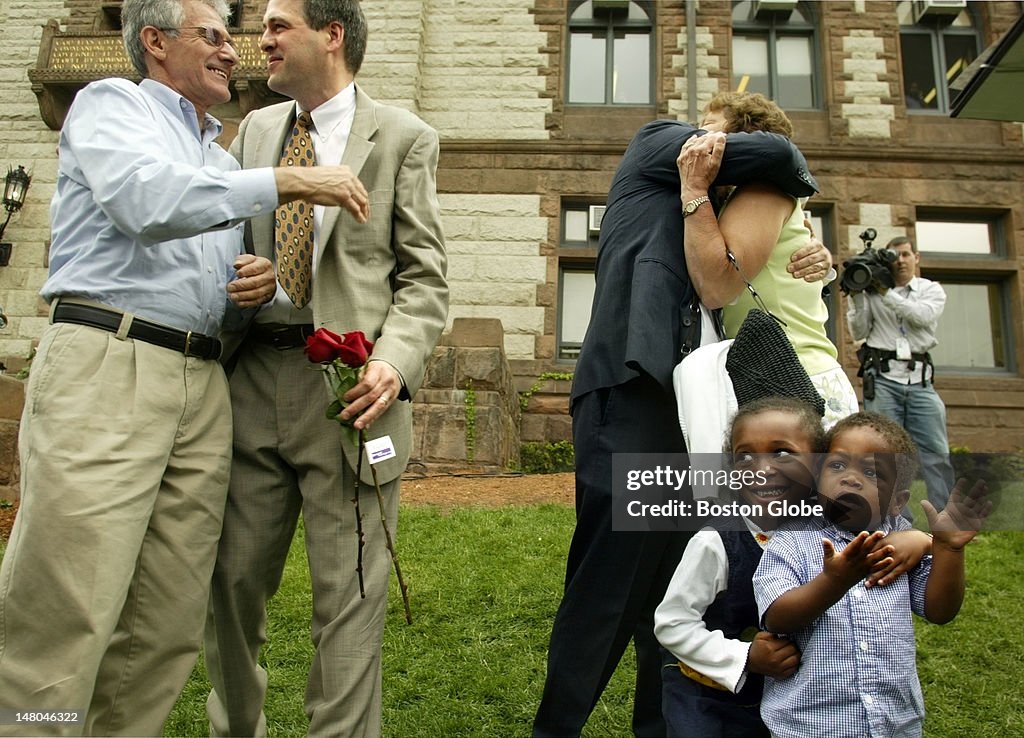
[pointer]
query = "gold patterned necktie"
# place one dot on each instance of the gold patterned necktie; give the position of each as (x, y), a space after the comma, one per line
(293, 222)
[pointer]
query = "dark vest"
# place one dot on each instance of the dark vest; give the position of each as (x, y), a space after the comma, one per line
(735, 609)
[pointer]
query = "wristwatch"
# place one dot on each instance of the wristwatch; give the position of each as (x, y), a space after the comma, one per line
(691, 207)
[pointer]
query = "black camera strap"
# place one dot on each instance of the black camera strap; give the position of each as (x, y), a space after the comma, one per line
(875, 360)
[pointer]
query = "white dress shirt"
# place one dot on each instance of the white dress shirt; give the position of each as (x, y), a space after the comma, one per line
(703, 573)
(912, 312)
(332, 125)
(148, 212)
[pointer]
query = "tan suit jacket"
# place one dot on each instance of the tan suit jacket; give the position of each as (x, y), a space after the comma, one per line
(386, 277)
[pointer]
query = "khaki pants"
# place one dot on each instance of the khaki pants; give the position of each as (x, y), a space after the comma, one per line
(287, 459)
(125, 459)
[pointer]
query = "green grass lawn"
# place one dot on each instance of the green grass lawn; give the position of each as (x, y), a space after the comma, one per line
(485, 585)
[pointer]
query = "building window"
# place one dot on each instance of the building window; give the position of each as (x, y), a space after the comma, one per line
(611, 52)
(969, 257)
(822, 226)
(972, 330)
(937, 42)
(774, 52)
(575, 297)
(957, 237)
(576, 255)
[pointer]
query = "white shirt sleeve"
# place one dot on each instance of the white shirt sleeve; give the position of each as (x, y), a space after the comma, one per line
(921, 308)
(858, 316)
(702, 573)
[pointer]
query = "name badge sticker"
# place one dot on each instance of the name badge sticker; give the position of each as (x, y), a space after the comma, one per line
(903, 349)
(380, 449)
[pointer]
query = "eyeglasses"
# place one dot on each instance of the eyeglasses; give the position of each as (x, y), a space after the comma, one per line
(213, 36)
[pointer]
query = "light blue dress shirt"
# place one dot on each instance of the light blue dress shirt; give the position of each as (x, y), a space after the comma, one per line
(858, 669)
(147, 215)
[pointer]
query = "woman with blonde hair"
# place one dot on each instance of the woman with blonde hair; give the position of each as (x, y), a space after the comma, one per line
(749, 243)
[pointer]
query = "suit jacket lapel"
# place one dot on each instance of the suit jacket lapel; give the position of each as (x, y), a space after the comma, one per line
(357, 150)
(268, 146)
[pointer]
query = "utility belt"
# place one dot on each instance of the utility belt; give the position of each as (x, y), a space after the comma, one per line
(874, 360)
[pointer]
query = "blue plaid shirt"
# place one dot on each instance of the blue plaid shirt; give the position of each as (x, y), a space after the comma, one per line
(858, 673)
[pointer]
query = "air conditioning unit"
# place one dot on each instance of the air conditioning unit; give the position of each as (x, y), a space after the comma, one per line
(937, 8)
(762, 8)
(594, 216)
(611, 5)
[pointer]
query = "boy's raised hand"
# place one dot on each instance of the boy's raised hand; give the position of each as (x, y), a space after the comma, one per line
(963, 516)
(857, 560)
(772, 656)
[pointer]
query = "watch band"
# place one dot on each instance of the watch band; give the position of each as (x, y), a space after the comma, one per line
(691, 207)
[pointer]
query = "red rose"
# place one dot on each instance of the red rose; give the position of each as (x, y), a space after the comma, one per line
(355, 349)
(323, 346)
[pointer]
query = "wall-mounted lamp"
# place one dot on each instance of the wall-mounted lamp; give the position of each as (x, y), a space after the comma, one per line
(15, 189)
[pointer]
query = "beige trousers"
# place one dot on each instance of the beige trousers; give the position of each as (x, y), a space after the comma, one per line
(103, 589)
(287, 459)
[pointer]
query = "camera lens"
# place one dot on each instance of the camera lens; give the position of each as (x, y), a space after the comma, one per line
(856, 278)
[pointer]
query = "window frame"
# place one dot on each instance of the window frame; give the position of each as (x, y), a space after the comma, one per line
(936, 31)
(770, 29)
(825, 231)
(997, 268)
(572, 256)
(609, 27)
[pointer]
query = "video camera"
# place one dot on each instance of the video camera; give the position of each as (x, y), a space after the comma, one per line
(869, 267)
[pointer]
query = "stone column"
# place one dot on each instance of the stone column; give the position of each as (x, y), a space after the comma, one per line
(466, 415)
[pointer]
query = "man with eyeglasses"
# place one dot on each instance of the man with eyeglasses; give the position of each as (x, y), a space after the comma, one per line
(126, 436)
(387, 280)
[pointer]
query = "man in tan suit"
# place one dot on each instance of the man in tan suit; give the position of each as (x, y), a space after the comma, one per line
(385, 278)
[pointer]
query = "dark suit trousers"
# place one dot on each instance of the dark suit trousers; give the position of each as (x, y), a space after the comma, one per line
(614, 580)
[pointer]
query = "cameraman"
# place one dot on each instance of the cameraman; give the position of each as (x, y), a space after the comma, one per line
(899, 325)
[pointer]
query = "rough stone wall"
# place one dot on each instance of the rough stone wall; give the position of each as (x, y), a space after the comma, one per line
(467, 411)
(480, 70)
(495, 264)
(394, 54)
(490, 77)
(12, 397)
(24, 140)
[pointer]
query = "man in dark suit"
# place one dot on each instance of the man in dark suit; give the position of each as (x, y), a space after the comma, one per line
(622, 402)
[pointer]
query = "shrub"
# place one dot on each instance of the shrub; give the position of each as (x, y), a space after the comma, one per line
(547, 458)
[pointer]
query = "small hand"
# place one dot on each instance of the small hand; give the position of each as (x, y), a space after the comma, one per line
(376, 391)
(773, 656)
(963, 516)
(811, 262)
(906, 549)
(254, 283)
(856, 561)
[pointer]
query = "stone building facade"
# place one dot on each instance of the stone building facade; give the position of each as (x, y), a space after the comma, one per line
(524, 157)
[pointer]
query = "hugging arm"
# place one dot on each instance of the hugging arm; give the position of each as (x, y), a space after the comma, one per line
(906, 549)
(749, 227)
(702, 574)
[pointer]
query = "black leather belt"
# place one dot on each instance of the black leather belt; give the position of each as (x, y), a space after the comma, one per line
(186, 342)
(281, 335)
